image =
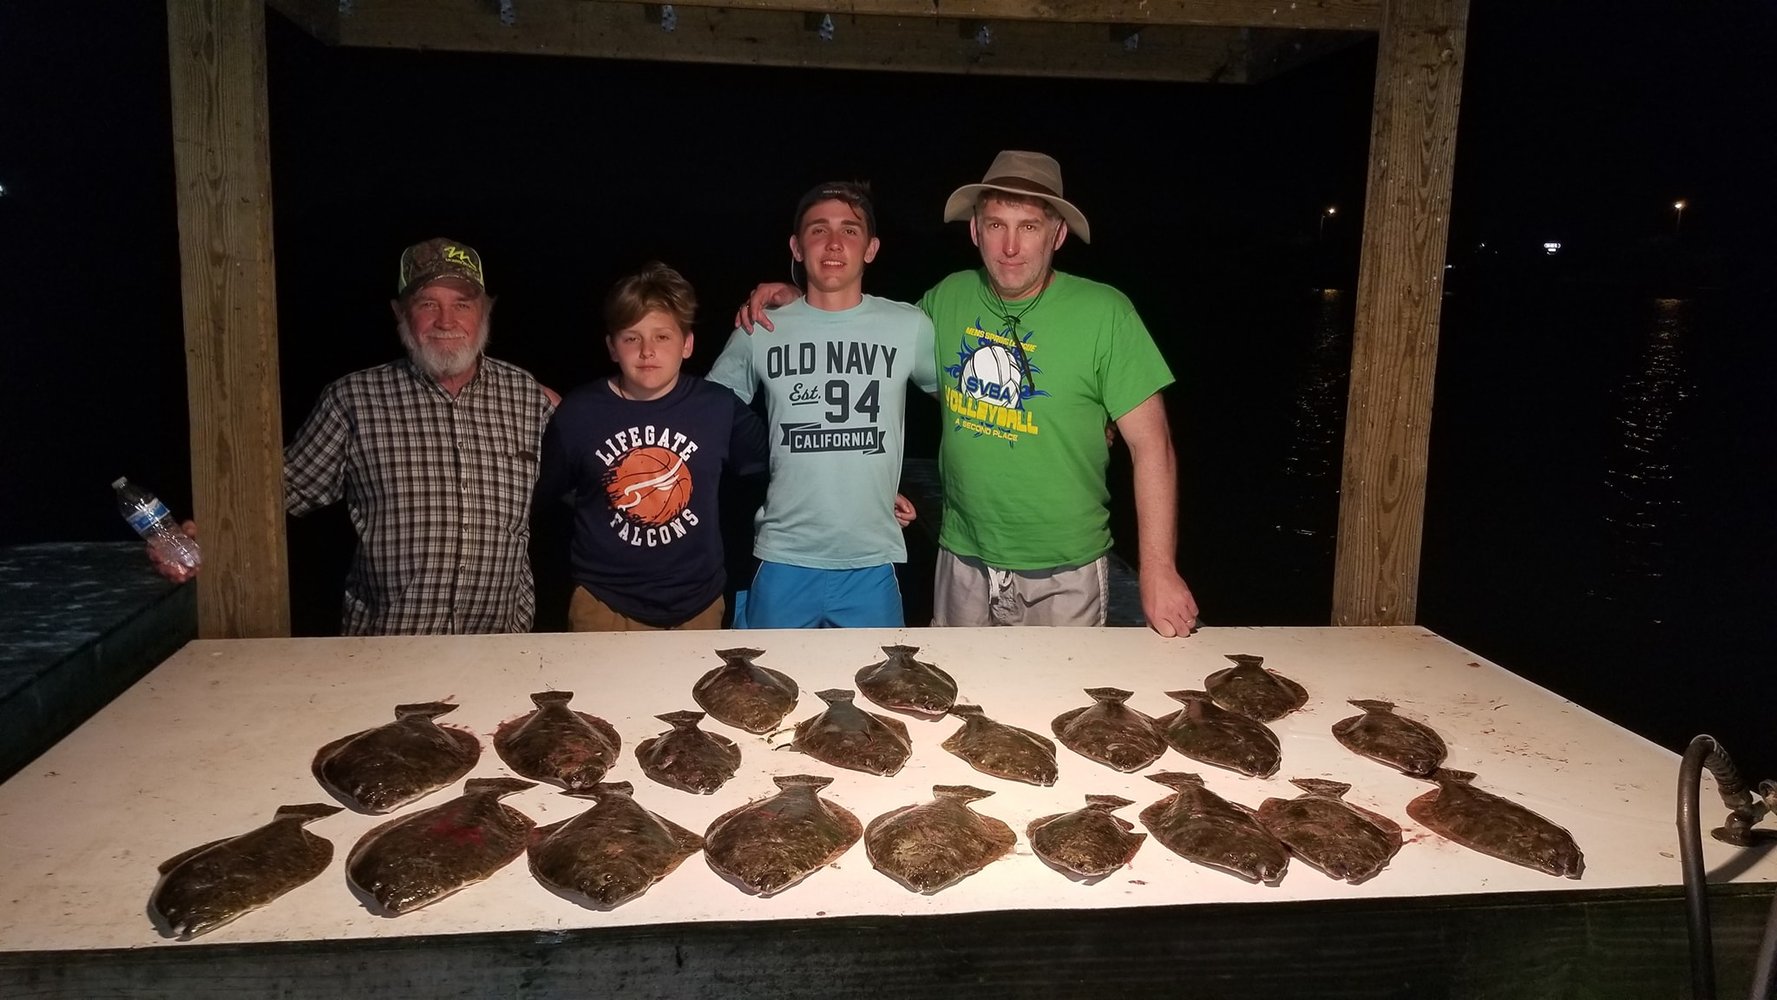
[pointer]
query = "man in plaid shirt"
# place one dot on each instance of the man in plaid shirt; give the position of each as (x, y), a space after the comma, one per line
(435, 456)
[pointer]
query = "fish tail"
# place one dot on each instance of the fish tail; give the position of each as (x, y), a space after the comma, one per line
(1188, 696)
(967, 711)
(497, 787)
(1321, 786)
(1110, 696)
(814, 781)
(739, 654)
(1177, 779)
(900, 650)
(613, 788)
(1106, 803)
(429, 709)
(681, 720)
(1450, 774)
(544, 699)
(960, 793)
(308, 812)
(1371, 704)
(1245, 659)
(835, 696)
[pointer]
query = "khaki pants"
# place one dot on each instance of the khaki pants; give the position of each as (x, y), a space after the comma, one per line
(968, 593)
(587, 613)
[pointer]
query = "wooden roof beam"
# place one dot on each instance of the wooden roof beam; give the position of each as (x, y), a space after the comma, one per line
(1337, 15)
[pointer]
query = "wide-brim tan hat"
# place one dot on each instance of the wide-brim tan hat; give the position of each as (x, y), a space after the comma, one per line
(1016, 171)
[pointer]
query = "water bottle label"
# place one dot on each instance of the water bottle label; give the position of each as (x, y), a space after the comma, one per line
(143, 518)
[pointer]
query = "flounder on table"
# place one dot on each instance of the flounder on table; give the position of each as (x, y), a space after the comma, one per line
(382, 769)
(1254, 691)
(1001, 750)
(425, 856)
(744, 694)
(1495, 825)
(904, 684)
(687, 758)
(847, 736)
(939, 843)
(1089, 842)
(1201, 826)
(1346, 842)
(208, 886)
(770, 845)
(610, 853)
(557, 744)
(1111, 732)
(1408, 746)
(1207, 732)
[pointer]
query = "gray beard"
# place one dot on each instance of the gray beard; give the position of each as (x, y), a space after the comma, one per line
(439, 362)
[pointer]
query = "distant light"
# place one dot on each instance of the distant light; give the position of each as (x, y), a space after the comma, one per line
(1551, 248)
(1679, 204)
(1332, 210)
(2, 190)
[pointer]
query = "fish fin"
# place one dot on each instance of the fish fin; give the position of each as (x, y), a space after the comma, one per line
(307, 812)
(1110, 696)
(1245, 659)
(1371, 704)
(682, 720)
(1450, 774)
(900, 650)
(1177, 779)
(814, 781)
(184, 856)
(1188, 696)
(739, 654)
(429, 709)
(1321, 786)
(543, 699)
(614, 788)
(1108, 802)
(836, 696)
(497, 787)
(960, 793)
(967, 712)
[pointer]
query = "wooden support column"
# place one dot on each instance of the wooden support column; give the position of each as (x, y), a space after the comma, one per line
(1399, 297)
(216, 51)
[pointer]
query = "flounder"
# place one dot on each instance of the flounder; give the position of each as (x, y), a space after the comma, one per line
(686, 757)
(744, 694)
(1089, 842)
(557, 744)
(1346, 842)
(1207, 732)
(1404, 744)
(770, 845)
(382, 769)
(425, 856)
(1111, 732)
(1199, 825)
(1494, 825)
(939, 843)
(610, 853)
(1253, 691)
(904, 684)
(208, 886)
(1001, 750)
(847, 736)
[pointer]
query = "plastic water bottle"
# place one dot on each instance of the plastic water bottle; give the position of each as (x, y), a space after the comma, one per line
(152, 521)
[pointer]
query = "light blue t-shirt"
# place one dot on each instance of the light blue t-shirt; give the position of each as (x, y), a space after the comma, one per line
(835, 386)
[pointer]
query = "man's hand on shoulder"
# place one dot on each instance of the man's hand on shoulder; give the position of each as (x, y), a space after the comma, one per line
(1167, 603)
(758, 305)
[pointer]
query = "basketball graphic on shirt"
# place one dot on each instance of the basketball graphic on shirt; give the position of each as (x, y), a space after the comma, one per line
(650, 485)
(992, 373)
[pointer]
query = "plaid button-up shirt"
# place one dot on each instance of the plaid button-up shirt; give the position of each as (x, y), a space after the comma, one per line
(439, 490)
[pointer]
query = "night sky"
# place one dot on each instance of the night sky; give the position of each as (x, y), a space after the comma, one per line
(1580, 123)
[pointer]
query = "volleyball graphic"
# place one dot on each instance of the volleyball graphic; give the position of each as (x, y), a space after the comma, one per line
(991, 373)
(650, 486)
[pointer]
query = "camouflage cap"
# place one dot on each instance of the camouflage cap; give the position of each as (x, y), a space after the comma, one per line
(424, 263)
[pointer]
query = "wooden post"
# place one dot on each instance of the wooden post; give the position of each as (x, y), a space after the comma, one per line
(216, 52)
(1399, 296)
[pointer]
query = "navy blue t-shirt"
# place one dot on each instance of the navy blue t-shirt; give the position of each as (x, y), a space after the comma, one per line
(644, 478)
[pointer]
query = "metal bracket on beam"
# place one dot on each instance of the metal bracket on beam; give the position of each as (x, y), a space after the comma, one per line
(508, 13)
(823, 26)
(345, 8)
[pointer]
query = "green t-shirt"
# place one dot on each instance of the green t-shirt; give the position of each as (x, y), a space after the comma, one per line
(835, 387)
(1024, 454)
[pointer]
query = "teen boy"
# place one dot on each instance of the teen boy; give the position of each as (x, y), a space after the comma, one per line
(643, 453)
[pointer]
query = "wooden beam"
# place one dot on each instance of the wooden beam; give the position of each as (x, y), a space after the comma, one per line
(319, 18)
(216, 53)
(614, 30)
(1349, 15)
(1399, 297)
(1274, 52)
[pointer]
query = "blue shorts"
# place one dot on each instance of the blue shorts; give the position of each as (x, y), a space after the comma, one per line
(798, 597)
